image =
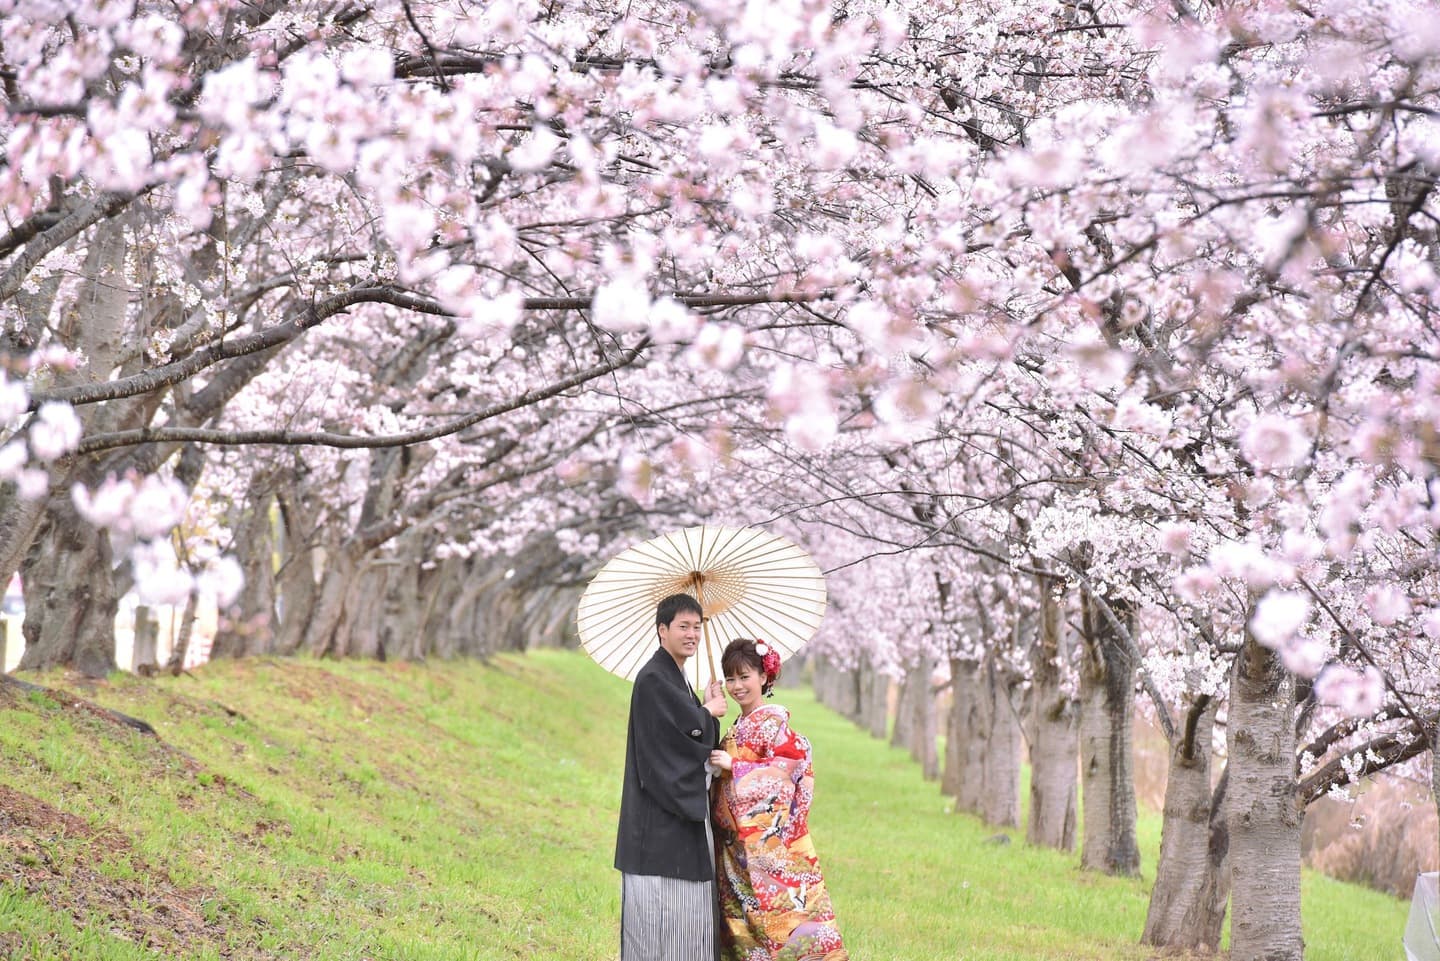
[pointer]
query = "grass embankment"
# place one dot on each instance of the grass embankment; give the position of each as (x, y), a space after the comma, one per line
(460, 811)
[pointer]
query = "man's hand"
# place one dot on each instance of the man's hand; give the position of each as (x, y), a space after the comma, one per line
(722, 760)
(715, 699)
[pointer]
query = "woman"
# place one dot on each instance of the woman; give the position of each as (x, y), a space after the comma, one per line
(773, 902)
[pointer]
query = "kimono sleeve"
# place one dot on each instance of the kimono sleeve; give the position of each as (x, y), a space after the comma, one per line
(772, 744)
(669, 759)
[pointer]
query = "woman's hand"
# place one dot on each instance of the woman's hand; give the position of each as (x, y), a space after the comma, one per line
(721, 759)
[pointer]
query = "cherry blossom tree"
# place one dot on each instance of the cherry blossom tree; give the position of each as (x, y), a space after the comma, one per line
(976, 299)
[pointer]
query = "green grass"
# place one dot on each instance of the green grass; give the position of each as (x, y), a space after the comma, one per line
(401, 812)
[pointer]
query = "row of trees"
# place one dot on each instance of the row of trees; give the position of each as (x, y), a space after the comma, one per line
(1091, 347)
(1068, 705)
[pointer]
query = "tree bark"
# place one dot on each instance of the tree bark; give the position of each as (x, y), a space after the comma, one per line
(68, 567)
(21, 519)
(959, 726)
(980, 705)
(455, 634)
(1187, 903)
(1054, 730)
(71, 600)
(1263, 814)
(325, 633)
(367, 609)
(924, 748)
(874, 699)
(1107, 703)
(547, 611)
(176, 664)
(902, 733)
(417, 608)
(248, 628)
(145, 653)
(915, 719)
(1000, 791)
(296, 578)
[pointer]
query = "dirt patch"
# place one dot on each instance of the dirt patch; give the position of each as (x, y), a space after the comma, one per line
(58, 857)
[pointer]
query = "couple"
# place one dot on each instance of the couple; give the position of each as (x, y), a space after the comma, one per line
(771, 903)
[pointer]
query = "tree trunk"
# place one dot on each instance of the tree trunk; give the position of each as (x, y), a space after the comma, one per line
(915, 719)
(416, 608)
(20, 523)
(958, 725)
(1000, 789)
(248, 628)
(145, 653)
(1054, 730)
(499, 611)
(561, 626)
(924, 733)
(325, 633)
(1187, 903)
(456, 634)
(824, 680)
(71, 600)
(366, 611)
(181, 650)
(1204, 922)
(850, 693)
(1263, 814)
(296, 577)
(547, 611)
(68, 567)
(980, 706)
(874, 699)
(902, 732)
(1107, 702)
(93, 326)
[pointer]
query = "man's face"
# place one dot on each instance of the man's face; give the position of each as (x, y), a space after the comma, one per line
(681, 637)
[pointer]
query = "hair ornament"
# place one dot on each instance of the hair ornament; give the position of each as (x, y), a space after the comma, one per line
(769, 660)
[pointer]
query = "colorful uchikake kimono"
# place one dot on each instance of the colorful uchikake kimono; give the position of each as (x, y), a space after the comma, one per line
(773, 902)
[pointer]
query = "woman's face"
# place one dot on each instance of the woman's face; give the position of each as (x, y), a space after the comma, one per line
(745, 686)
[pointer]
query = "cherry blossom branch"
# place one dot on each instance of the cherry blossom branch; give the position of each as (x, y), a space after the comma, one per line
(1353, 639)
(173, 373)
(202, 435)
(696, 301)
(71, 224)
(1341, 730)
(27, 229)
(429, 46)
(1374, 755)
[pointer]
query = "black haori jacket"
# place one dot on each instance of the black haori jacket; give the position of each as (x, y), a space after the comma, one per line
(664, 804)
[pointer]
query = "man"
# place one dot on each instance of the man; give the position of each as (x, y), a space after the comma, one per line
(663, 850)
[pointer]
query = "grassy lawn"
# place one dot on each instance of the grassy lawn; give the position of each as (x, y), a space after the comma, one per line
(397, 812)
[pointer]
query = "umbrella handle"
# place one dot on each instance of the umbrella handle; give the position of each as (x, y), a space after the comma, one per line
(699, 581)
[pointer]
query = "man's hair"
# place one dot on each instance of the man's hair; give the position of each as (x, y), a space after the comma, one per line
(673, 606)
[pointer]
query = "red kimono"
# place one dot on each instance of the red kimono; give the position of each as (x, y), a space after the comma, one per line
(773, 901)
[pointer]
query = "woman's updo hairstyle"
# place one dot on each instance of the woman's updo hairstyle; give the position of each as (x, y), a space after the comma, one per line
(760, 657)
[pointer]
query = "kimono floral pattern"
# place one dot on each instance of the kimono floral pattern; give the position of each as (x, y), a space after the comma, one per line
(773, 901)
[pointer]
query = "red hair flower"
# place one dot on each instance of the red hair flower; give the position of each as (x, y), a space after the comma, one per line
(769, 660)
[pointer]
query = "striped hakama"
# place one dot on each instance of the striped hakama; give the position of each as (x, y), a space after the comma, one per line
(666, 919)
